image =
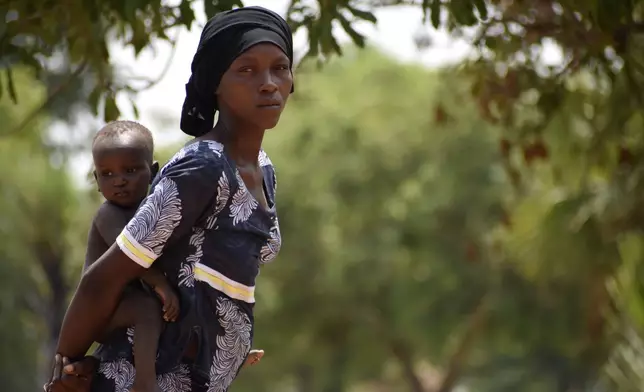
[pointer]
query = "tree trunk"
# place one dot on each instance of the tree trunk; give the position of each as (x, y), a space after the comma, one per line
(475, 326)
(336, 379)
(50, 259)
(596, 351)
(403, 353)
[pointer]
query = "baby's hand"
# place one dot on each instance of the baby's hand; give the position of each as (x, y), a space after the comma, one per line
(170, 302)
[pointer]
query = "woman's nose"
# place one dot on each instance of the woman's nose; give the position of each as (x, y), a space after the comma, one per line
(268, 83)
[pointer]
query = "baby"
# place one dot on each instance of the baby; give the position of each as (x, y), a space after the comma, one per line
(123, 168)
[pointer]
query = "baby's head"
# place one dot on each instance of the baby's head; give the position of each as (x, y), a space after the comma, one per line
(123, 162)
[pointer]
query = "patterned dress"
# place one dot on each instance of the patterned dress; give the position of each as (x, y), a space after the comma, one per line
(209, 235)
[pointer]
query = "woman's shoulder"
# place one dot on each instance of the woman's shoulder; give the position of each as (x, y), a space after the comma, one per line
(208, 153)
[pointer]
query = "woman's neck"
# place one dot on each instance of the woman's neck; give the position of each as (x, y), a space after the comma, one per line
(242, 142)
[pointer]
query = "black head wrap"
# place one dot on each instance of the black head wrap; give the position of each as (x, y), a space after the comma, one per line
(224, 38)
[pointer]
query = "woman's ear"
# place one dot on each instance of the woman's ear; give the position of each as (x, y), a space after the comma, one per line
(154, 169)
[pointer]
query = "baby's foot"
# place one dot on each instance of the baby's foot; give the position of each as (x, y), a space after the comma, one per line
(253, 357)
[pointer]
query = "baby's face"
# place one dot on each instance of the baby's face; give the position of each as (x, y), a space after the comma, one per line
(123, 172)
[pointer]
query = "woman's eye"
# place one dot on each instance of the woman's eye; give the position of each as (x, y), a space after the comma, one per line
(132, 170)
(245, 69)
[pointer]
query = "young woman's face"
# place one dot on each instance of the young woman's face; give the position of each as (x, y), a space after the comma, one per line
(256, 86)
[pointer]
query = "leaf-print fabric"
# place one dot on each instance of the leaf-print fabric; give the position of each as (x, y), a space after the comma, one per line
(206, 232)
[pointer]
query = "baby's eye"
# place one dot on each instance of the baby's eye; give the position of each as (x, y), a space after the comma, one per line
(131, 170)
(106, 174)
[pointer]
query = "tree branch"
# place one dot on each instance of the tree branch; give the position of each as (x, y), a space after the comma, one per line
(402, 352)
(474, 327)
(149, 83)
(395, 3)
(166, 68)
(57, 91)
(399, 348)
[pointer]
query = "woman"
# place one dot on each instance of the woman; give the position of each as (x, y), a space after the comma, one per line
(208, 223)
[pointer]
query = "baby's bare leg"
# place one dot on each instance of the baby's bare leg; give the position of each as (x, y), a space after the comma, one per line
(144, 313)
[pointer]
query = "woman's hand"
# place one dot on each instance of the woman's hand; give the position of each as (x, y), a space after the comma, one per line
(96, 298)
(71, 377)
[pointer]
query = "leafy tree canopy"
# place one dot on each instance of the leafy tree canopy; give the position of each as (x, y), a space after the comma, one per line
(600, 36)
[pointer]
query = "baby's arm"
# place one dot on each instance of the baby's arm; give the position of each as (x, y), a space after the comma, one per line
(96, 245)
(106, 225)
(110, 221)
(157, 280)
(154, 278)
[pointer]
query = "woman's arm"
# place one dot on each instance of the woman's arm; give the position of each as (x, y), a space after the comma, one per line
(95, 300)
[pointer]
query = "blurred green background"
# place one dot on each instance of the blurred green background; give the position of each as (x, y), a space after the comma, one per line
(470, 228)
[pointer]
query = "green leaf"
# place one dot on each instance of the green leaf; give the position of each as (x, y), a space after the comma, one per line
(424, 5)
(482, 8)
(364, 15)
(135, 109)
(435, 13)
(129, 10)
(550, 101)
(328, 43)
(11, 87)
(324, 24)
(335, 45)
(112, 111)
(210, 8)
(93, 100)
(609, 14)
(213, 7)
(314, 38)
(27, 58)
(187, 13)
(356, 37)
(492, 43)
(463, 12)
(140, 38)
